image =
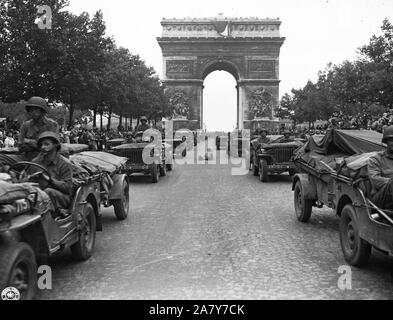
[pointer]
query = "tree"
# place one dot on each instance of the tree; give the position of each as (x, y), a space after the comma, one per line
(354, 88)
(286, 108)
(379, 54)
(73, 63)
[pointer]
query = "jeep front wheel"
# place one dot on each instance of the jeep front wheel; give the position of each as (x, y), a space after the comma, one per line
(263, 171)
(254, 167)
(356, 250)
(83, 249)
(155, 173)
(18, 269)
(163, 170)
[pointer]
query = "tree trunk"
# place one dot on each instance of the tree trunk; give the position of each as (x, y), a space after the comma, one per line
(109, 119)
(71, 114)
(101, 113)
(121, 117)
(125, 125)
(95, 117)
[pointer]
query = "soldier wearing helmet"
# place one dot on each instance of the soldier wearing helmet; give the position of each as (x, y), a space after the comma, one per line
(263, 136)
(37, 108)
(287, 137)
(262, 139)
(380, 170)
(143, 126)
(59, 169)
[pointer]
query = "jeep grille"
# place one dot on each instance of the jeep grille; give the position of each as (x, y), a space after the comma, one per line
(282, 154)
(133, 155)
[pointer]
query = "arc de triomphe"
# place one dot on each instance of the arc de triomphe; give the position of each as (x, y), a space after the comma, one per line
(248, 48)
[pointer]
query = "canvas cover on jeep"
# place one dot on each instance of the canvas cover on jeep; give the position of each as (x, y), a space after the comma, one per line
(354, 147)
(94, 161)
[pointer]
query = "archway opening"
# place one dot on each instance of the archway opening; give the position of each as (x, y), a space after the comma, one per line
(220, 102)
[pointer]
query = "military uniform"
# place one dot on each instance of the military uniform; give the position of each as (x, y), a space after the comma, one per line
(287, 137)
(380, 170)
(263, 140)
(31, 130)
(142, 127)
(60, 170)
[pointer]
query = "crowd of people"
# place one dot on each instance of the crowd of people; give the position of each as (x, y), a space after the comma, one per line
(97, 138)
(8, 139)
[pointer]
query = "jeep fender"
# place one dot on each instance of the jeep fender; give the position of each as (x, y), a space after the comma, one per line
(309, 189)
(88, 194)
(116, 191)
(266, 157)
(31, 233)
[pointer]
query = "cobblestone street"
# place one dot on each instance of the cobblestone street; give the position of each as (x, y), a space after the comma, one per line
(202, 233)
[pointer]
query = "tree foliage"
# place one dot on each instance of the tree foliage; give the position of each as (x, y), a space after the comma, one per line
(363, 86)
(74, 63)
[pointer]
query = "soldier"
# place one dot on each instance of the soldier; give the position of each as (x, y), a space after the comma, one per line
(287, 137)
(380, 170)
(143, 126)
(256, 144)
(60, 170)
(37, 108)
(263, 136)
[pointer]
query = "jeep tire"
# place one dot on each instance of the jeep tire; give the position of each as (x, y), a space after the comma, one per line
(263, 170)
(122, 205)
(18, 269)
(356, 251)
(162, 170)
(303, 206)
(83, 249)
(155, 173)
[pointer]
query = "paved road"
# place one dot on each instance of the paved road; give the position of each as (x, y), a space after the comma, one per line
(202, 233)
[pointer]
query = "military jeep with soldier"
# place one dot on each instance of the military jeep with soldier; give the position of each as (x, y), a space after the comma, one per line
(138, 150)
(350, 172)
(272, 155)
(42, 211)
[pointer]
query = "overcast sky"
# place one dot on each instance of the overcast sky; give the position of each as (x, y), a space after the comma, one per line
(317, 32)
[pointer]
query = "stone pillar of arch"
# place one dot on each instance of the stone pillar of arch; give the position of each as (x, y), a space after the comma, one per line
(246, 48)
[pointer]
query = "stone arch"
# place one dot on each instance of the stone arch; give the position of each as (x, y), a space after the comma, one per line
(220, 65)
(247, 48)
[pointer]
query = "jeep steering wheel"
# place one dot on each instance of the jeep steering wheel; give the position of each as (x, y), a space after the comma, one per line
(22, 169)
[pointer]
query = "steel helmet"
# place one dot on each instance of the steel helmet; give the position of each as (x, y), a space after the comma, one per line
(144, 118)
(37, 102)
(49, 135)
(387, 134)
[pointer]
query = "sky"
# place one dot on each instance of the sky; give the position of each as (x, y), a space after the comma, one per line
(317, 32)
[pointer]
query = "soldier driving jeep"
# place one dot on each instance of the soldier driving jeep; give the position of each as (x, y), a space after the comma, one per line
(59, 171)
